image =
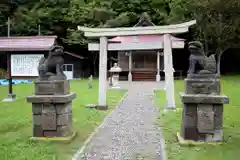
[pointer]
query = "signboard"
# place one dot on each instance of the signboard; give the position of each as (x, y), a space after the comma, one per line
(25, 64)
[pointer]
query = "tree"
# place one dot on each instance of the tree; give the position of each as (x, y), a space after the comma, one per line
(111, 13)
(7, 8)
(218, 22)
(27, 15)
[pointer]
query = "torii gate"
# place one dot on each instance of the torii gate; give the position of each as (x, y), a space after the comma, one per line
(103, 33)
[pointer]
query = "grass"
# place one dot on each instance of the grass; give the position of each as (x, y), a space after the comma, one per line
(171, 122)
(16, 123)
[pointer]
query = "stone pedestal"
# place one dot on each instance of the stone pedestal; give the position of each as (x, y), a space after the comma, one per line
(202, 115)
(56, 87)
(52, 109)
(115, 81)
(10, 98)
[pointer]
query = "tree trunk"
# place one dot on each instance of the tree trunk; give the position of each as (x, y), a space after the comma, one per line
(219, 53)
(206, 42)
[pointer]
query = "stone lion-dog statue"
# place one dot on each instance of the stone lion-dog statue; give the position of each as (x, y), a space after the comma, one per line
(199, 62)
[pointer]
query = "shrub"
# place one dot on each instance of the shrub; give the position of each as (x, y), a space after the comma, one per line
(3, 73)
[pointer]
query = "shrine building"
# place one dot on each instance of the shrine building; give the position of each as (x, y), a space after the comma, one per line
(140, 57)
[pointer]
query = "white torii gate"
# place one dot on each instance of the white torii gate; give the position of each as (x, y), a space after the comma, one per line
(103, 47)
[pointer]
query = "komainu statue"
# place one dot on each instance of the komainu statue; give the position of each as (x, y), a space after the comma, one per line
(202, 100)
(50, 67)
(52, 99)
(206, 65)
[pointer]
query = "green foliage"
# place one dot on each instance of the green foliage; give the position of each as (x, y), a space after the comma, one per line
(27, 15)
(16, 123)
(171, 124)
(110, 13)
(3, 73)
(217, 21)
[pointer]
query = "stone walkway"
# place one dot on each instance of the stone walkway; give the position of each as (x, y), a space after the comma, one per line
(130, 132)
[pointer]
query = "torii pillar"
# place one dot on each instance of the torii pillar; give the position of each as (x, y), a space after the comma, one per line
(168, 70)
(102, 89)
(103, 33)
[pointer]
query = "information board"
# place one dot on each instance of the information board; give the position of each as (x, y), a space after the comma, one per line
(25, 64)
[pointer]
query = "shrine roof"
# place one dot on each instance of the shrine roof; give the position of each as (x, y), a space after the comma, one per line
(144, 21)
(27, 43)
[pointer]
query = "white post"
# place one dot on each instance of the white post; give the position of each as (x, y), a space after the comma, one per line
(102, 89)
(130, 66)
(168, 69)
(158, 78)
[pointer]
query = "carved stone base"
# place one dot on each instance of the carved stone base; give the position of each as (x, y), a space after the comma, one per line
(202, 117)
(205, 76)
(202, 86)
(204, 99)
(52, 115)
(183, 141)
(52, 87)
(55, 139)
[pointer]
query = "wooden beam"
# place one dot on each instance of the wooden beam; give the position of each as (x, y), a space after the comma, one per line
(10, 89)
(98, 32)
(75, 55)
(9, 62)
(112, 58)
(174, 26)
(134, 46)
(136, 32)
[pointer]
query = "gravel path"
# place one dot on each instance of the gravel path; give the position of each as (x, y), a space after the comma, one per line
(130, 132)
